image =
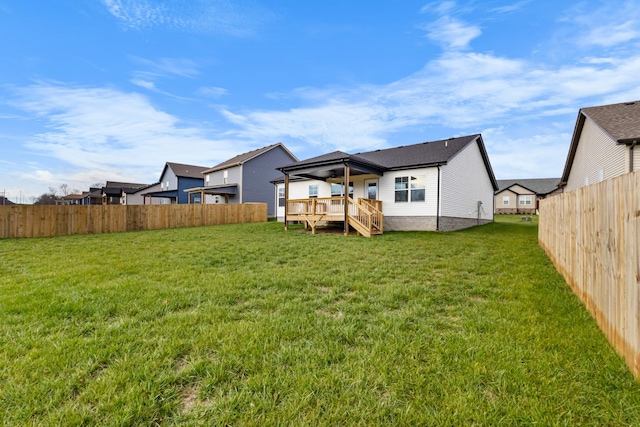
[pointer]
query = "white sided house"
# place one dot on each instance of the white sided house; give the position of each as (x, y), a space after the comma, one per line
(441, 185)
(603, 145)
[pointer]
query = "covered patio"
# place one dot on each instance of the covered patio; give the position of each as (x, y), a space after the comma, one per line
(364, 215)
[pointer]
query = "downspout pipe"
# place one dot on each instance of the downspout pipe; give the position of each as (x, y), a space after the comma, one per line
(633, 144)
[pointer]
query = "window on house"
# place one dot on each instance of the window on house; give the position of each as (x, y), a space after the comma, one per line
(313, 191)
(280, 196)
(505, 200)
(225, 177)
(206, 178)
(410, 189)
(600, 175)
(337, 190)
(167, 185)
(525, 200)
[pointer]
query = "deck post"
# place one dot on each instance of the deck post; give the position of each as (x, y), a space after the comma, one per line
(346, 196)
(286, 200)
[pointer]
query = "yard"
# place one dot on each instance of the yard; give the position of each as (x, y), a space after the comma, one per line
(253, 325)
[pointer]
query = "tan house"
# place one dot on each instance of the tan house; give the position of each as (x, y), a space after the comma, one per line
(521, 196)
(603, 145)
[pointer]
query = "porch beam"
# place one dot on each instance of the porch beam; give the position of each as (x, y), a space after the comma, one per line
(286, 200)
(346, 196)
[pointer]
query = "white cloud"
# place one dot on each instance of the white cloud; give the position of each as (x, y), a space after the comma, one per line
(608, 25)
(121, 135)
(451, 32)
(195, 16)
(212, 92)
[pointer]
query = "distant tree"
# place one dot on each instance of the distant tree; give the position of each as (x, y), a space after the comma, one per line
(49, 198)
(98, 185)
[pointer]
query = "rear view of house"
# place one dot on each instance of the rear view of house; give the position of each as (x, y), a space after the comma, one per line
(440, 185)
(604, 145)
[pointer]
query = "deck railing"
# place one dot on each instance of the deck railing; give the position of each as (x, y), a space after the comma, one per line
(367, 213)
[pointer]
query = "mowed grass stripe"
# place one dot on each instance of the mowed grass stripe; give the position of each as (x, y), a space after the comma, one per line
(252, 325)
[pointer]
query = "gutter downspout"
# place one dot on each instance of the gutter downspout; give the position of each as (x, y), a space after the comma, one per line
(633, 144)
(438, 202)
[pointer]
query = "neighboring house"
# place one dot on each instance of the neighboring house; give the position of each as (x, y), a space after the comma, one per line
(440, 185)
(244, 178)
(174, 180)
(604, 145)
(73, 199)
(115, 193)
(91, 197)
(140, 196)
(521, 196)
(5, 202)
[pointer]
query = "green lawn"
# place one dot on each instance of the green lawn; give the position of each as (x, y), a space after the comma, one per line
(253, 325)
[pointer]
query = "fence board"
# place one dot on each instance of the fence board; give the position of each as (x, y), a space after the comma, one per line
(591, 235)
(17, 221)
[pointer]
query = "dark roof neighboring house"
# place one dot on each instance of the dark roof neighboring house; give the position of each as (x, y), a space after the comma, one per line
(245, 157)
(115, 184)
(540, 186)
(4, 201)
(426, 154)
(184, 171)
(620, 121)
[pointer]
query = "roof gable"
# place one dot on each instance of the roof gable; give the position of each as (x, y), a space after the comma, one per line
(184, 171)
(620, 121)
(245, 157)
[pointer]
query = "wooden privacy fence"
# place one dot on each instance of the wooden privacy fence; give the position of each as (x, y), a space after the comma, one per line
(591, 235)
(44, 221)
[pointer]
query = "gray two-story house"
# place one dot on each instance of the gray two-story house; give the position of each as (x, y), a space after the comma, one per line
(244, 178)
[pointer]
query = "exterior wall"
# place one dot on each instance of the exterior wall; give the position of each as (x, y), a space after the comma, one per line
(186, 183)
(257, 174)
(386, 193)
(452, 224)
(596, 152)
(234, 176)
(465, 181)
(515, 194)
(500, 207)
(636, 158)
(168, 181)
(410, 223)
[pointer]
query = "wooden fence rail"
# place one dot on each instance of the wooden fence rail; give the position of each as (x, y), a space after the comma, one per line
(591, 235)
(45, 221)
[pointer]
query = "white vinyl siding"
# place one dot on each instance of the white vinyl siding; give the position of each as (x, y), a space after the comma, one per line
(465, 181)
(232, 175)
(386, 193)
(596, 151)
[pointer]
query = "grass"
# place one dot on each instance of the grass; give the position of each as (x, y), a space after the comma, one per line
(252, 325)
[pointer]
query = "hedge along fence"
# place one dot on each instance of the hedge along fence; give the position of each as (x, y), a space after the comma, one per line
(591, 235)
(44, 221)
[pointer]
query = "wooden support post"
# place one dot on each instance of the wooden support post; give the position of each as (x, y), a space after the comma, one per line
(346, 202)
(286, 200)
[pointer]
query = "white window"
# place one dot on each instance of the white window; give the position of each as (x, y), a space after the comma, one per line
(600, 175)
(525, 200)
(280, 196)
(586, 181)
(410, 189)
(225, 176)
(313, 191)
(337, 190)
(206, 178)
(167, 185)
(505, 200)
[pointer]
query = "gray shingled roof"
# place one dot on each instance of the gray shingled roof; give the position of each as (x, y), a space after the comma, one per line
(426, 153)
(186, 171)
(540, 186)
(245, 157)
(621, 121)
(403, 157)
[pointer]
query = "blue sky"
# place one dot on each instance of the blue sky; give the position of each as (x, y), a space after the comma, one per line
(96, 90)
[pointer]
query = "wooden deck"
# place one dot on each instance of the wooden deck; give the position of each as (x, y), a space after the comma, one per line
(365, 215)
